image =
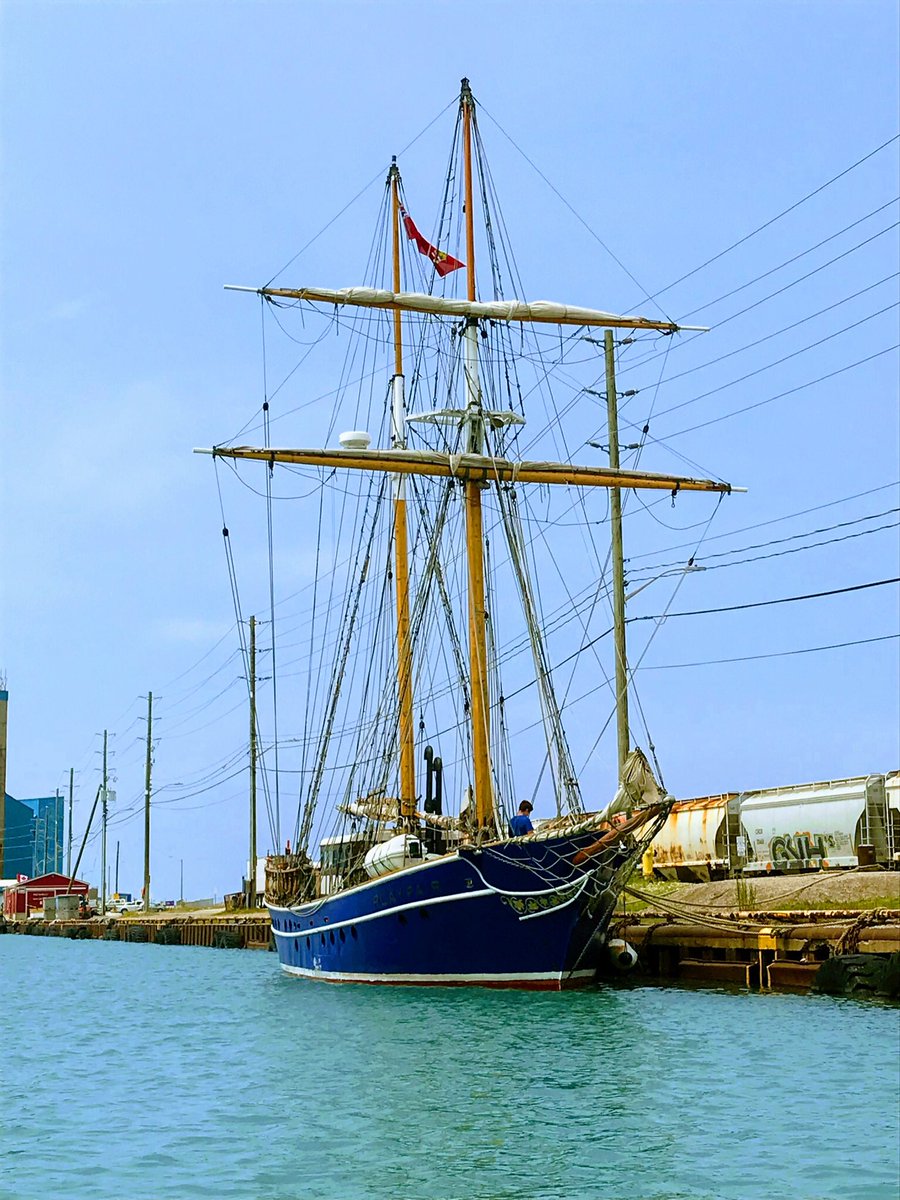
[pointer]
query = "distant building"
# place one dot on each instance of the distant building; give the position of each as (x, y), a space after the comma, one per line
(33, 836)
(22, 900)
(49, 831)
(18, 839)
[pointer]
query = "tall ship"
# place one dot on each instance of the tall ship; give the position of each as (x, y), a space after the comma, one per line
(414, 857)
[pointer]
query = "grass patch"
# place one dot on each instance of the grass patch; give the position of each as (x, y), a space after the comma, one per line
(851, 903)
(745, 894)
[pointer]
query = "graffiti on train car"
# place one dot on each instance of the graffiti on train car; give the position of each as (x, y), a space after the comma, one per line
(802, 847)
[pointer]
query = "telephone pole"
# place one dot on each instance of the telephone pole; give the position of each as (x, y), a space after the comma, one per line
(618, 566)
(147, 770)
(57, 821)
(251, 881)
(71, 791)
(103, 837)
(116, 888)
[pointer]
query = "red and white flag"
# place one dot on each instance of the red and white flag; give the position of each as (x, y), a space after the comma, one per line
(443, 263)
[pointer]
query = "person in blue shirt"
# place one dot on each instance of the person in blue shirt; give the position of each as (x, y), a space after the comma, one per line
(521, 824)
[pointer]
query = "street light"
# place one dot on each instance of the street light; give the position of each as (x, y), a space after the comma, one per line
(689, 569)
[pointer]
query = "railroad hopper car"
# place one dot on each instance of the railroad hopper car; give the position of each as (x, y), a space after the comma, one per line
(702, 839)
(813, 826)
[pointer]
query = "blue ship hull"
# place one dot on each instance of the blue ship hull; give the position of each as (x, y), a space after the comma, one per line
(517, 914)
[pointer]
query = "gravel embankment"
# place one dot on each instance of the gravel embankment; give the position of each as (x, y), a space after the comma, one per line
(853, 889)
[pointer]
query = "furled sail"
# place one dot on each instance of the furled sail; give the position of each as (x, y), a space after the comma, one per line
(372, 808)
(544, 311)
(638, 788)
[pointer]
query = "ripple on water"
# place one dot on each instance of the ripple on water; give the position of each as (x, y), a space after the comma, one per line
(182, 1073)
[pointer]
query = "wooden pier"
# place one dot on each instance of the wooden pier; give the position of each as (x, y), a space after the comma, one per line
(769, 950)
(231, 931)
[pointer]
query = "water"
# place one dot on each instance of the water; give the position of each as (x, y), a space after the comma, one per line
(175, 1072)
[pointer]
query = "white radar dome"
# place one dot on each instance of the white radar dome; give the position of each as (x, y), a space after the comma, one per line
(355, 439)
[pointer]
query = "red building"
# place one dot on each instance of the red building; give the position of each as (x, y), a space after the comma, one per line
(27, 899)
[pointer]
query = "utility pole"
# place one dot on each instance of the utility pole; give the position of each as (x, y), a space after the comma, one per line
(182, 881)
(147, 770)
(71, 793)
(103, 837)
(116, 889)
(251, 882)
(618, 566)
(57, 814)
(4, 705)
(85, 838)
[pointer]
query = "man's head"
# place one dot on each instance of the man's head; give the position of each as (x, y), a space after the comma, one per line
(525, 807)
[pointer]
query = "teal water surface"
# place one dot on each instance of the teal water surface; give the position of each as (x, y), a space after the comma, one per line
(151, 1071)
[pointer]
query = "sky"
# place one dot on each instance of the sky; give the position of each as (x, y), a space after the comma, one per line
(731, 165)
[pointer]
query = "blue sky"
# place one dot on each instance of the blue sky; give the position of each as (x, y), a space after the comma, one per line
(153, 152)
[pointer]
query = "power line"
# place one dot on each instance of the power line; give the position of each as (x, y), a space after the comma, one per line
(715, 537)
(777, 363)
(778, 216)
(775, 654)
(769, 399)
(682, 342)
(702, 612)
(785, 329)
(791, 538)
(787, 262)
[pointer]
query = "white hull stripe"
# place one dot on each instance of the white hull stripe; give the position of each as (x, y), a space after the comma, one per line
(426, 902)
(365, 977)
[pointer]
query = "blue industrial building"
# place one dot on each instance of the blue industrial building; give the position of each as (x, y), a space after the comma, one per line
(33, 836)
(49, 834)
(18, 840)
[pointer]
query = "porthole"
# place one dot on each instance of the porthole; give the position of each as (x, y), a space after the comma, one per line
(401, 917)
(323, 939)
(308, 944)
(296, 944)
(423, 912)
(343, 936)
(353, 932)
(331, 937)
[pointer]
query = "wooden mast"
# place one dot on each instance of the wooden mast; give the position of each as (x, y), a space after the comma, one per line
(618, 563)
(401, 551)
(472, 468)
(481, 730)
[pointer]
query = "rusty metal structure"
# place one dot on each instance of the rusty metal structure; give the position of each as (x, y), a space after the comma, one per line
(701, 840)
(842, 823)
